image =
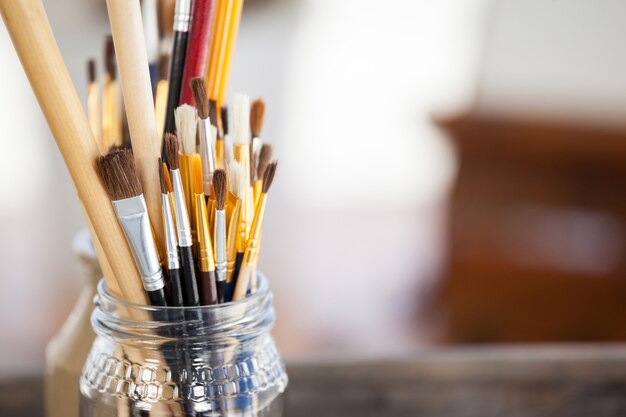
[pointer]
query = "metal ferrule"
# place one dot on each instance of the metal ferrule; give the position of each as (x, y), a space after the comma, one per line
(171, 244)
(220, 245)
(133, 216)
(182, 216)
(182, 15)
(206, 154)
(205, 249)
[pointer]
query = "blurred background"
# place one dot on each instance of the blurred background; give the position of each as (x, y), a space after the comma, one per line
(451, 172)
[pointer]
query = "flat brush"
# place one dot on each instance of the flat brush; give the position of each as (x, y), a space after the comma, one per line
(219, 185)
(118, 173)
(207, 133)
(233, 213)
(171, 243)
(182, 17)
(93, 100)
(206, 262)
(191, 296)
(252, 247)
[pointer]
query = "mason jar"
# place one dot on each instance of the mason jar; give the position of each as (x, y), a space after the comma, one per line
(218, 360)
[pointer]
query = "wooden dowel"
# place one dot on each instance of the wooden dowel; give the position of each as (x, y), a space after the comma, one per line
(32, 37)
(132, 59)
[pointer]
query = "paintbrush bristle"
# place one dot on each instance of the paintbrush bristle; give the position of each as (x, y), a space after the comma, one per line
(236, 181)
(91, 70)
(268, 176)
(196, 175)
(257, 117)
(265, 156)
(199, 94)
(186, 125)
(118, 173)
(164, 189)
(171, 150)
(109, 58)
(241, 119)
(219, 186)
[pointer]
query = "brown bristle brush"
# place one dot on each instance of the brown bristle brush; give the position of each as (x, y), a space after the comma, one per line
(190, 293)
(257, 118)
(265, 156)
(175, 294)
(119, 176)
(219, 185)
(247, 273)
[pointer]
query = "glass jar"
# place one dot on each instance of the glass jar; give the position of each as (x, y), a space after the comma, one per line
(218, 360)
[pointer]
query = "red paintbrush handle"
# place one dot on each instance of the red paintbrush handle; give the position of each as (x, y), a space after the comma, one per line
(196, 59)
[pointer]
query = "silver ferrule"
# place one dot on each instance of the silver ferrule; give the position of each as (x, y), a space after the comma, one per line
(182, 216)
(206, 154)
(133, 216)
(182, 15)
(220, 245)
(171, 244)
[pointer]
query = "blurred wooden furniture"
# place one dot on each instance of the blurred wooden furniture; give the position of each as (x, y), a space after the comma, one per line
(550, 381)
(537, 233)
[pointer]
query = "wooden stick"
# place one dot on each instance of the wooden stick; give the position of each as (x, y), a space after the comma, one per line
(30, 32)
(132, 58)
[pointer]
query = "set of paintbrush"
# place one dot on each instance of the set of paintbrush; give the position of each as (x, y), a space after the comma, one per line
(211, 195)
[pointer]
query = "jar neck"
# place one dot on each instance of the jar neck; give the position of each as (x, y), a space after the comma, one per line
(146, 327)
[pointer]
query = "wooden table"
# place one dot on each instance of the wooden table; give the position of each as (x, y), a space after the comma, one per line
(554, 381)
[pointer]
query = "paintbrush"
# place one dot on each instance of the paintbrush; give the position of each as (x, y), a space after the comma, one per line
(219, 185)
(182, 17)
(233, 213)
(130, 50)
(257, 117)
(265, 156)
(207, 133)
(241, 154)
(186, 128)
(93, 101)
(171, 243)
(197, 55)
(190, 286)
(111, 111)
(226, 53)
(206, 262)
(227, 144)
(215, 117)
(252, 246)
(118, 174)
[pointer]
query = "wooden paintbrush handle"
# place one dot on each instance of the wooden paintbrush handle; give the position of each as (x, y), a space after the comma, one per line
(206, 285)
(130, 49)
(30, 32)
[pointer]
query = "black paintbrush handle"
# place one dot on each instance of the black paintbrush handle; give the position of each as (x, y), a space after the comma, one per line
(221, 291)
(177, 64)
(157, 297)
(176, 289)
(190, 286)
(206, 285)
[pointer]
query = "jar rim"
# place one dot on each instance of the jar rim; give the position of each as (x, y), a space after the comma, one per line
(261, 292)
